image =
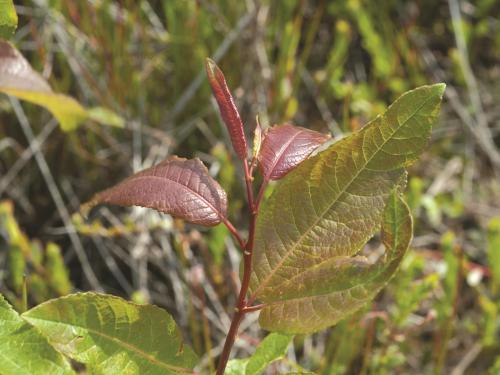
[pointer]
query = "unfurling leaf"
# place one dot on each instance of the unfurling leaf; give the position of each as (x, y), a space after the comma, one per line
(24, 350)
(307, 267)
(18, 79)
(286, 146)
(112, 336)
(227, 108)
(177, 186)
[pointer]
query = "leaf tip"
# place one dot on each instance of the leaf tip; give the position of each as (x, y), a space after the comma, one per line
(440, 87)
(211, 67)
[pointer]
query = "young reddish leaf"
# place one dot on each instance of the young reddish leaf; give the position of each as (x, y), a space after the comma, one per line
(228, 110)
(177, 186)
(286, 146)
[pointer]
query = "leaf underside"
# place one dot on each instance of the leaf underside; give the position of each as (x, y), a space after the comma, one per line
(112, 336)
(177, 186)
(308, 234)
(23, 350)
(286, 146)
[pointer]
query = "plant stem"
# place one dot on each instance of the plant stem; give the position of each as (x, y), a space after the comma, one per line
(247, 248)
(234, 232)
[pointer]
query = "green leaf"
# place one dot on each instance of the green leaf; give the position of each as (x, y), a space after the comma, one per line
(8, 19)
(23, 350)
(236, 367)
(105, 116)
(113, 336)
(18, 79)
(272, 348)
(308, 234)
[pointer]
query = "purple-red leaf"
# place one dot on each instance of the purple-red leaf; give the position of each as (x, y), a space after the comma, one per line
(286, 146)
(177, 186)
(227, 108)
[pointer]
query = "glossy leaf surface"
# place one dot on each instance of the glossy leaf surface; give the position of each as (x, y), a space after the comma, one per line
(227, 108)
(286, 146)
(18, 79)
(8, 19)
(179, 187)
(112, 336)
(23, 350)
(321, 214)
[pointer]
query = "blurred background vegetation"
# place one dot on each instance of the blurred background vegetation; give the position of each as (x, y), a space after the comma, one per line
(327, 65)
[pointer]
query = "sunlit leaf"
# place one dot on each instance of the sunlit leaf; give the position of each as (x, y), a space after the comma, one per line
(236, 367)
(306, 266)
(105, 116)
(286, 146)
(18, 79)
(8, 19)
(112, 336)
(23, 350)
(227, 108)
(272, 348)
(177, 186)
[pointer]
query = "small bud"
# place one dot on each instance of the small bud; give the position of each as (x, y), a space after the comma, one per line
(257, 138)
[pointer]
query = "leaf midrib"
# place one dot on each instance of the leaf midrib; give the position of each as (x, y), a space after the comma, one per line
(280, 154)
(218, 212)
(394, 245)
(341, 193)
(123, 344)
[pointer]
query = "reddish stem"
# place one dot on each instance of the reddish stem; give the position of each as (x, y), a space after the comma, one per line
(242, 307)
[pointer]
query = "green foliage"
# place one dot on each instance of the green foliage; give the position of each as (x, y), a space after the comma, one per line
(271, 349)
(450, 286)
(112, 336)
(143, 57)
(41, 270)
(326, 220)
(344, 345)
(446, 306)
(23, 350)
(411, 288)
(56, 270)
(8, 19)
